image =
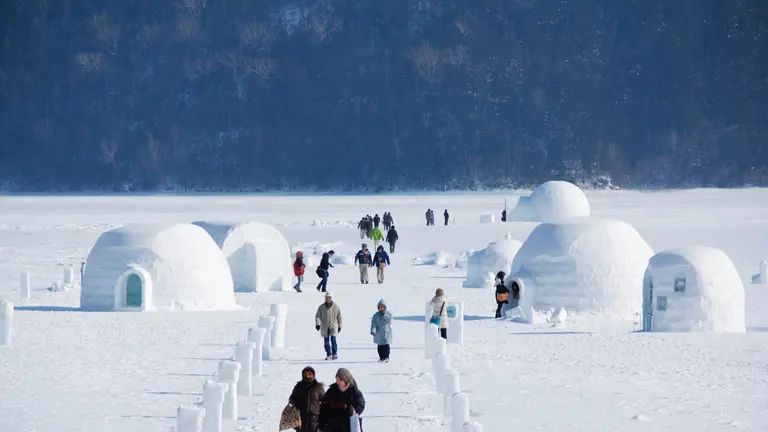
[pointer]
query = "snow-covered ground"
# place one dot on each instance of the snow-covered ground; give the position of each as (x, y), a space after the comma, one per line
(68, 370)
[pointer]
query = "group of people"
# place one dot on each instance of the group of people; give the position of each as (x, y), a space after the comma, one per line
(364, 260)
(322, 271)
(430, 215)
(369, 228)
(326, 411)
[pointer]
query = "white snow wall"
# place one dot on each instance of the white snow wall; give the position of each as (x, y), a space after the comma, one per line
(259, 257)
(498, 256)
(180, 266)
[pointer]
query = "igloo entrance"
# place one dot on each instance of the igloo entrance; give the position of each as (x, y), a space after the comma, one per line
(133, 290)
(133, 294)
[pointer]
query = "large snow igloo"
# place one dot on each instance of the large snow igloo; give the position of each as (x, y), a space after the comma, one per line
(693, 289)
(551, 201)
(258, 255)
(156, 267)
(584, 264)
(498, 256)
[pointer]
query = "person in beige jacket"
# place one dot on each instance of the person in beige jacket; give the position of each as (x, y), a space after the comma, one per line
(439, 306)
(328, 323)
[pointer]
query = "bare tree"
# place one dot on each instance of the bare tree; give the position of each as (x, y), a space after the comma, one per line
(230, 61)
(261, 66)
(105, 31)
(109, 149)
(90, 61)
(462, 27)
(152, 156)
(322, 24)
(257, 35)
(193, 7)
(456, 56)
(427, 60)
(187, 29)
(195, 68)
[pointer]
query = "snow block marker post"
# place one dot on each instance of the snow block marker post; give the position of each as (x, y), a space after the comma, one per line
(455, 312)
(431, 336)
(25, 278)
(69, 277)
(459, 411)
(229, 373)
(452, 386)
(280, 312)
(6, 322)
(764, 272)
(440, 365)
(244, 356)
(189, 419)
(256, 337)
(213, 400)
(267, 322)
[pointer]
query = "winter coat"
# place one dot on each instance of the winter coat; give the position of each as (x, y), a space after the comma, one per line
(392, 236)
(307, 396)
(363, 257)
(381, 326)
(376, 220)
(338, 406)
(376, 234)
(329, 319)
(298, 267)
(502, 289)
(437, 303)
(380, 257)
(325, 261)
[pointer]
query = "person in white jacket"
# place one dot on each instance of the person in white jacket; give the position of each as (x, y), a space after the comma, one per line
(439, 306)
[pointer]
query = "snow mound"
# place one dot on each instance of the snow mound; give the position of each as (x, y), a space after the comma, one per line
(439, 258)
(498, 256)
(337, 223)
(551, 201)
(259, 258)
(584, 264)
(313, 253)
(160, 267)
(694, 289)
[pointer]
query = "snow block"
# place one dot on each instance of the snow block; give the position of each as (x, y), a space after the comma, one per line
(440, 366)
(280, 312)
(213, 401)
(267, 323)
(473, 426)
(256, 337)
(498, 256)
(452, 385)
(69, 276)
(6, 322)
(764, 272)
(229, 373)
(459, 411)
(25, 284)
(189, 419)
(487, 218)
(244, 356)
(455, 312)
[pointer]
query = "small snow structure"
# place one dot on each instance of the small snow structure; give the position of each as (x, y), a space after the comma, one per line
(156, 267)
(586, 265)
(551, 201)
(693, 289)
(498, 256)
(258, 255)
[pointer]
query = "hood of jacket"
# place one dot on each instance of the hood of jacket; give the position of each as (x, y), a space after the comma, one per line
(381, 303)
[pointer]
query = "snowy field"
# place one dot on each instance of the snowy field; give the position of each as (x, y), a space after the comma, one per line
(76, 371)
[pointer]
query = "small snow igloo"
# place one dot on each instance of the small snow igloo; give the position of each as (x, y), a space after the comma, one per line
(156, 267)
(584, 264)
(498, 256)
(551, 201)
(693, 289)
(258, 255)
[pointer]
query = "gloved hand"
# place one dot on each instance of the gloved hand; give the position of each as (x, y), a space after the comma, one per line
(339, 329)
(317, 328)
(373, 334)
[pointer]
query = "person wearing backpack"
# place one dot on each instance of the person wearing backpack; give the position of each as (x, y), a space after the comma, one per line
(502, 293)
(322, 270)
(381, 261)
(298, 270)
(439, 314)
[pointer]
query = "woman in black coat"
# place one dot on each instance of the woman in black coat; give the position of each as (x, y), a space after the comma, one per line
(342, 400)
(306, 397)
(502, 293)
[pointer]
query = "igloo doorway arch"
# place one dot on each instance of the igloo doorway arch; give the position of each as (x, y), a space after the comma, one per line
(133, 290)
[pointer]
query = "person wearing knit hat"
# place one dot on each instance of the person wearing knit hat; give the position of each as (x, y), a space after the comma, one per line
(307, 395)
(439, 314)
(342, 400)
(328, 323)
(381, 330)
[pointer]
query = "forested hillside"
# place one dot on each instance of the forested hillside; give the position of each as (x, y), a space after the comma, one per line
(381, 94)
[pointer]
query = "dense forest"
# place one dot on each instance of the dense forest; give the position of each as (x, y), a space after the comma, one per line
(377, 95)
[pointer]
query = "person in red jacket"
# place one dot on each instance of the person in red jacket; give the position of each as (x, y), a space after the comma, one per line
(298, 270)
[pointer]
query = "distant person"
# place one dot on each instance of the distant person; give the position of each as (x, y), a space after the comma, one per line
(381, 330)
(446, 216)
(377, 236)
(306, 396)
(342, 401)
(502, 293)
(322, 270)
(514, 296)
(431, 217)
(381, 261)
(376, 220)
(427, 215)
(387, 220)
(362, 226)
(364, 260)
(439, 314)
(503, 215)
(298, 270)
(328, 323)
(392, 238)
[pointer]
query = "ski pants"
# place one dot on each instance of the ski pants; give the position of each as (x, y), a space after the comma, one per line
(363, 272)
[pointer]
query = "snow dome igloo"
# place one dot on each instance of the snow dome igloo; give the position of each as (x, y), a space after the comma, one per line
(259, 257)
(551, 201)
(693, 289)
(584, 264)
(156, 267)
(498, 256)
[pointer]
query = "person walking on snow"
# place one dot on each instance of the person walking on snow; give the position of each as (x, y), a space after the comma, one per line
(392, 238)
(362, 227)
(377, 237)
(427, 215)
(439, 313)
(446, 216)
(342, 400)
(380, 260)
(364, 260)
(376, 220)
(328, 323)
(381, 330)
(322, 270)
(306, 396)
(298, 270)
(502, 293)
